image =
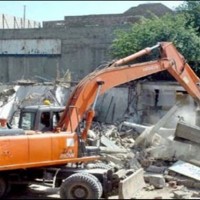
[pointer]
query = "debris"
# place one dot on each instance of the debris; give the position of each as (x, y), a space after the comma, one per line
(159, 197)
(149, 187)
(25, 82)
(156, 169)
(110, 131)
(196, 194)
(188, 132)
(157, 180)
(181, 195)
(146, 137)
(114, 159)
(125, 192)
(139, 128)
(109, 150)
(183, 181)
(122, 148)
(164, 132)
(132, 163)
(108, 143)
(170, 149)
(120, 173)
(173, 184)
(186, 169)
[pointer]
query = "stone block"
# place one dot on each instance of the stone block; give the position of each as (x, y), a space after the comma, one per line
(157, 181)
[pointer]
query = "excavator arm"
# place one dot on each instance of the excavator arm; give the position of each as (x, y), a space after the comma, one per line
(120, 72)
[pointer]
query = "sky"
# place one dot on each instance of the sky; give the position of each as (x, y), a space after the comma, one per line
(57, 10)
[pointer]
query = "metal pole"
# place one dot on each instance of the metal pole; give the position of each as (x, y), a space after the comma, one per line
(24, 15)
(3, 21)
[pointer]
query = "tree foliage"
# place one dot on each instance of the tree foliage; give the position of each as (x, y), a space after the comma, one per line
(191, 9)
(171, 27)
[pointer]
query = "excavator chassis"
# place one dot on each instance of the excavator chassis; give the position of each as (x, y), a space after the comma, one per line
(105, 181)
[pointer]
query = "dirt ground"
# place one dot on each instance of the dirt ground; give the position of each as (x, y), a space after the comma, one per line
(36, 191)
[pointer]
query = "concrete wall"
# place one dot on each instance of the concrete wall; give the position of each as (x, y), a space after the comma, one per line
(83, 50)
(157, 98)
(142, 104)
(85, 43)
(136, 103)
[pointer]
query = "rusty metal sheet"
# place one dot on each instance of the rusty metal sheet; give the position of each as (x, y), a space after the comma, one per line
(186, 169)
(30, 47)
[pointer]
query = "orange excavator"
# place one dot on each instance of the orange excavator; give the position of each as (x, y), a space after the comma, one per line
(60, 152)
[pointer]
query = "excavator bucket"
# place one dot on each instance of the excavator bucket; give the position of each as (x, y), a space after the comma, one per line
(131, 184)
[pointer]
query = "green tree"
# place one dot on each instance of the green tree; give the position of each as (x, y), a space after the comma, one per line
(147, 32)
(191, 9)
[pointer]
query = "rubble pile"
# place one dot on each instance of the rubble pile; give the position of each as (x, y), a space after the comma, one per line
(176, 174)
(162, 159)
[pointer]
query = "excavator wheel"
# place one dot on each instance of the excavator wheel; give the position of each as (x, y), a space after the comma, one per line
(97, 180)
(3, 187)
(8, 189)
(80, 186)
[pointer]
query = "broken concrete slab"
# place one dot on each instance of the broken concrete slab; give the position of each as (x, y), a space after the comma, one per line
(140, 141)
(110, 131)
(196, 194)
(169, 149)
(131, 185)
(188, 132)
(181, 195)
(108, 143)
(186, 169)
(157, 180)
(164, 132)
(156, 169)
(114, 159)
(114, 151)
(146, 137)
(181, 181)
(161, 122)
(138, 127)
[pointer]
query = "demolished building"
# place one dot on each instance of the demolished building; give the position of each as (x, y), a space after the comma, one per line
(124, 144)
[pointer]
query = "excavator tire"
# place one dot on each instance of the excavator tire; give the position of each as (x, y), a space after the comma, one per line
(8, 189)
(97, 180)
(80, 186)
(3, 187)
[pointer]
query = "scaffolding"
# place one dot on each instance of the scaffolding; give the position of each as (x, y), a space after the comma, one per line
(12, 22)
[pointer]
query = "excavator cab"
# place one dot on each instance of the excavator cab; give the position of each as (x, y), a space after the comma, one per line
(42, 118)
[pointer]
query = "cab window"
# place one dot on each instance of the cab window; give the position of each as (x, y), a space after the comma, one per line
(27, 121)
(45, 121)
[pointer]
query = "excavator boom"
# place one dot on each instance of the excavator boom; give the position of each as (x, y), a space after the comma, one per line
(121, 72)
